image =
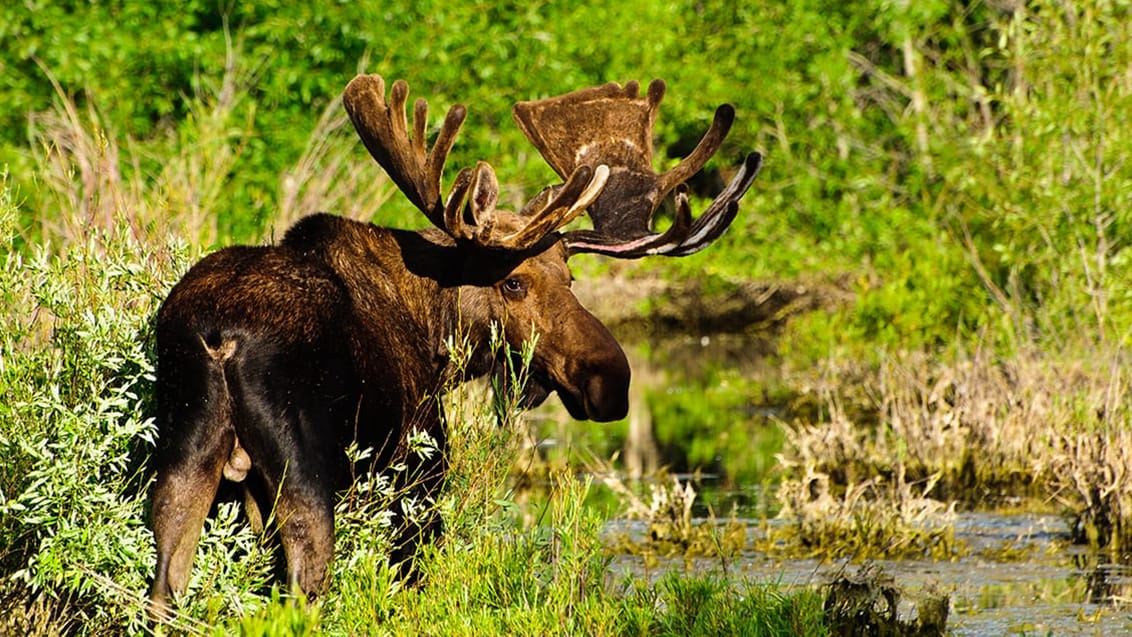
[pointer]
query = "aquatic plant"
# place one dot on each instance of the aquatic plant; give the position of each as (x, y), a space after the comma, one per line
(671, 531)
(876, 518)
(971, 423)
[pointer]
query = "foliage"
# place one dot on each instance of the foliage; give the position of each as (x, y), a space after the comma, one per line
(671, 530)
(1046, 212)
(878, 518)
(867, 603)
(907, 142)
(972, 432)
(76, 373)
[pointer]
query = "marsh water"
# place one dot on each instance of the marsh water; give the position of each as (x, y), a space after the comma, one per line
(1020, 575)
(1044, 588)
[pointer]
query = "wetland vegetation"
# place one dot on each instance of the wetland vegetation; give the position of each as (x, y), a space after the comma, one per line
(921, 315)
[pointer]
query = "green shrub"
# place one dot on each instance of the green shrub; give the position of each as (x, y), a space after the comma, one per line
(76, 372)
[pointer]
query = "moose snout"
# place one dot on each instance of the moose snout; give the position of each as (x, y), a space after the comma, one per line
(606, 393)
(604, 402)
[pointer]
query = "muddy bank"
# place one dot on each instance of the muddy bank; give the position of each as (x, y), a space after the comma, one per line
(648, 307)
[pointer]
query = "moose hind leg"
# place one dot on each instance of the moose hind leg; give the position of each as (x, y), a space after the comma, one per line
(196, 441)
(294, 482)
(291, 424)
(305, 520)
(182, 498)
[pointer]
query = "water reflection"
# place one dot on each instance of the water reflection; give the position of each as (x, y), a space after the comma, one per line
(1047, 588)
(1105, 581)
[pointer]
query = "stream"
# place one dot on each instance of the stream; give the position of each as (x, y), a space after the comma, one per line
(1048, 589)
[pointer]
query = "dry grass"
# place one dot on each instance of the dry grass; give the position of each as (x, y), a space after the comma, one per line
(91, 177)
(971, 431)
(1090, 474)
(332, 174)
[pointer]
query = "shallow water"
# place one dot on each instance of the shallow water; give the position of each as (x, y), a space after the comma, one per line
(1050, 589)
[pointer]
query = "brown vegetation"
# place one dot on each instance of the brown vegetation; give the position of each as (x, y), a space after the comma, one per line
(976, 432)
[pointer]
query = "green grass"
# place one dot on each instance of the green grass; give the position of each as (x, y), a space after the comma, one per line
(549, 579)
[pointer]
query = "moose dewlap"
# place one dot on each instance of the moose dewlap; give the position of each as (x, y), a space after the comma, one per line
(273, 360)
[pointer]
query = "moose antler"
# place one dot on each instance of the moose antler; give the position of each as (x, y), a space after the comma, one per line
(470, 213)
(384, 131)
(612, 125)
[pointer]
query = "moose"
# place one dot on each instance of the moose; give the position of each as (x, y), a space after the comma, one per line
(272, 360)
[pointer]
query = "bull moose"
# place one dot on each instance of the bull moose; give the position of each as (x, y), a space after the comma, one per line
(272, 360)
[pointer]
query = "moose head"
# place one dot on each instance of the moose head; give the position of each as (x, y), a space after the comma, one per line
(599, 141)
(273, 360)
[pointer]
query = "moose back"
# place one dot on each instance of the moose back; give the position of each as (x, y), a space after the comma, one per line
(273, 360)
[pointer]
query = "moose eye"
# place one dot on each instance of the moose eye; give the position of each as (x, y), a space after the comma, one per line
(515, 287)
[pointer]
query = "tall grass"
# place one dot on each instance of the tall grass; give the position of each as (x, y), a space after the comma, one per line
(91, 176)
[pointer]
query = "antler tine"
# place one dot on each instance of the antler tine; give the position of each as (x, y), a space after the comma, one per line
(613, 125)
(579, 191)
(709, 144)
(470, 213)
(420, 119)
(383, 129)
(722, 211)
(454, 208)
(684, 237)
(483, 187)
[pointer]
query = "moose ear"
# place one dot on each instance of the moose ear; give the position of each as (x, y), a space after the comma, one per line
(609, 124)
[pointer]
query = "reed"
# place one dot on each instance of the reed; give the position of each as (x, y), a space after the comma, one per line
(969, 431)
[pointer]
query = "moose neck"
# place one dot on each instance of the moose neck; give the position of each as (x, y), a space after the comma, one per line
(413, 289)
(453, 317)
